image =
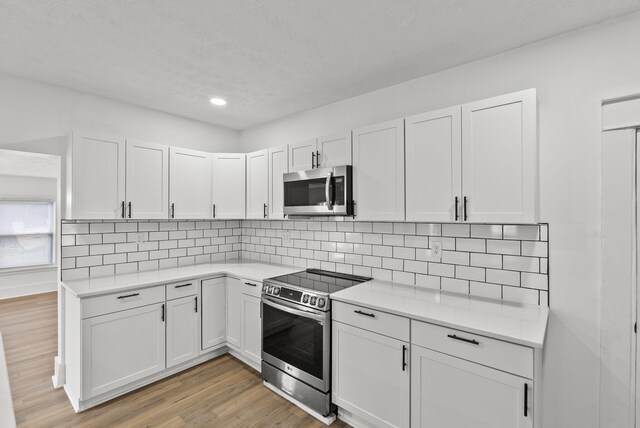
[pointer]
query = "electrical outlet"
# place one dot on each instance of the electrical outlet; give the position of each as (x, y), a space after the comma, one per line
(286, 238)
(139, 237)
(436, 250)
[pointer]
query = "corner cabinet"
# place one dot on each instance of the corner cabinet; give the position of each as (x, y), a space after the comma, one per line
(474, 163)
(96, 177)
(188, 168)
(378, 171)
(229, 185)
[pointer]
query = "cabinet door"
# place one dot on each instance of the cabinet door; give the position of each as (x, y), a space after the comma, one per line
(183, 334)
(229, 185)
(449, 392)
(98, 174)
(302, 155)
(121, 347)
(433, 162)
(147, 180)
(335, 150)
(369, 376)
(251, 328)
(278, 165)
(214, 312)
(378, 171)
(500, 158)
(257, 184)
(190, 184)
(234, 316)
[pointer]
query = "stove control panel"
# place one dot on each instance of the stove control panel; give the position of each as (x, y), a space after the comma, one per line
(293, 295)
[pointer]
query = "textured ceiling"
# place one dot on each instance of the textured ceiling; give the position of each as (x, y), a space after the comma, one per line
(267, 58)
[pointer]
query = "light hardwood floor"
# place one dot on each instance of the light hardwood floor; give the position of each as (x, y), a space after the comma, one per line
(219, 393)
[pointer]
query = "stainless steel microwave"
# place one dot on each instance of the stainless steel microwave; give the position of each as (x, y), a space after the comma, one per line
(320, 191)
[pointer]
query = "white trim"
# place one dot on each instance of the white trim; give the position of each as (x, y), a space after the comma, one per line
(327, 420)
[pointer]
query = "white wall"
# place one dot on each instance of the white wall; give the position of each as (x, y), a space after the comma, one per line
(572, 73)
(35, 111)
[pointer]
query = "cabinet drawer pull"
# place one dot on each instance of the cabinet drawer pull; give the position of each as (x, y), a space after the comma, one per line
(366, 314)
(183, 285)
(163, 312)
(462, 339)
(526, 398)
(196, 304)
(404, 357)
(251, 284)
(128, 295)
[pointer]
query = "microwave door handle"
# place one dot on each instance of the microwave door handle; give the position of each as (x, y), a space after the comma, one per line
(327, 191)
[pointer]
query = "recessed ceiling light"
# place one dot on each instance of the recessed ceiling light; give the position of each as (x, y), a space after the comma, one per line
(217, 101)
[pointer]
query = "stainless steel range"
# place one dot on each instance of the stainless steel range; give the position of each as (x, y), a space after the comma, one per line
(296, 334)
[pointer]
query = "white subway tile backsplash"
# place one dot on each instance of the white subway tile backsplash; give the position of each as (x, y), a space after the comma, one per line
(489, 261)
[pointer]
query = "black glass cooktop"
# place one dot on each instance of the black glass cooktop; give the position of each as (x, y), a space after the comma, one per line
(320, 281)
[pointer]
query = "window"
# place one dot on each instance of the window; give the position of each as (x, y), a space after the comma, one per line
(26, 233)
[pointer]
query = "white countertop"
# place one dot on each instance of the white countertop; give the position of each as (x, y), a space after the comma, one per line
(256, 271)
(513, 322)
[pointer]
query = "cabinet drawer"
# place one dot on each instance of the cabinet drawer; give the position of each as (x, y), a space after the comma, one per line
(372, 320)
(116, 302)
(182, 289)
(251, 287)
(495, 353)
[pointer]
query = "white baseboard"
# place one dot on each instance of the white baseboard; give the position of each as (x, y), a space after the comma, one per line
(27, 290)
(58, 377)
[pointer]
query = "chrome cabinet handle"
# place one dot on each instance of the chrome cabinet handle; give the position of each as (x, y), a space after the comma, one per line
(327, 190)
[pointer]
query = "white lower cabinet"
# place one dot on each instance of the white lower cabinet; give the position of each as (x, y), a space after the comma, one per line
(251, 328)
(451, 392)
(214, 312)
(122, 347)
(234, 303)
(371, 375)
(182, 330)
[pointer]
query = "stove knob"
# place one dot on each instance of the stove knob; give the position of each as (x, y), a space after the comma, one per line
(321, 302)
(305, 298)
(265, 288)
(313, 300)
(276, 290)
(271, 289)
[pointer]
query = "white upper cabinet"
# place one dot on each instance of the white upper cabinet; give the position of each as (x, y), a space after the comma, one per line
(228, 185)
(334, 150)
(302, 155)
(147, 180)
(378, 171)
(500, 159)
(257, 184)
(190, 181)
(278, 166)
(433, 162)
(98, 177)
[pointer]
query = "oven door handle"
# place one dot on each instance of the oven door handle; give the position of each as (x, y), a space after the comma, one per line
(318, 316)
(327, 190)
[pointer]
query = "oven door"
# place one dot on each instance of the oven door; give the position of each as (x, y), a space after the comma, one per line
(295, 339)
(322, 191)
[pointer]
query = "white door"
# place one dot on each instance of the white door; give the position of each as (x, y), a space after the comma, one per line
(448, 392)
(302, 155)
(214, 312)
(378, 171)
(121, 347)
(370, 375)
(229, 185)
(190, 184)
(234, 316)
(334, 150)
(278, 166)
(183, 333)
(147, 180)
(500, 158)
(98, 176)
(257, 184)
(251, 328)
(433, 162)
